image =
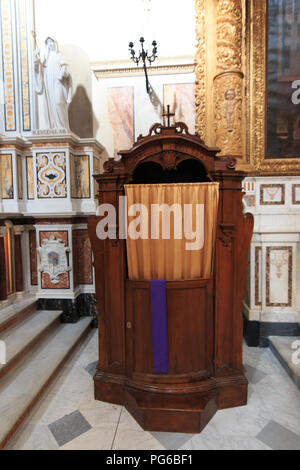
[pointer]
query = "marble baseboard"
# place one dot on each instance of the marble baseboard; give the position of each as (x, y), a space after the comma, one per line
(257, 333)
(83, 306)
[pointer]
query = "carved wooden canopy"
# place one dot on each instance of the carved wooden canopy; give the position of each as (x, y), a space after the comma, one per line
(167, 146)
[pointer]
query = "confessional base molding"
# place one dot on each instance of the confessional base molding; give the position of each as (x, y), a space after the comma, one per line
(181, 410)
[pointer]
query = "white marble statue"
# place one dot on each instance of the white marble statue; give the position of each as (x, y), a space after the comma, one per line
(54, 82)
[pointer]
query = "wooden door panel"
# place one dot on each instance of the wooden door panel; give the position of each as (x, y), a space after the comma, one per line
(190, 328)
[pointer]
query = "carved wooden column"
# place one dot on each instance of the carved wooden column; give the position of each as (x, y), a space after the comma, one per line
(228, 81)
(3, 285)
(200, 69)
(18, 230)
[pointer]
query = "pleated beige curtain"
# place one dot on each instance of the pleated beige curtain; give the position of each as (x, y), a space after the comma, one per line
(188, 253)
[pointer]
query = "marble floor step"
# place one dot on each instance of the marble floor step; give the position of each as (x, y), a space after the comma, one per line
(23, 385)
(16, 312)
(287, 350)
(23, 336)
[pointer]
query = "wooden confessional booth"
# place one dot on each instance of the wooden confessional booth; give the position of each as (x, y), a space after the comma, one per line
(202, 332)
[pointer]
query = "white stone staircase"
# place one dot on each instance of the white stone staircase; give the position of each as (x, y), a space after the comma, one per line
(281, 346)
(37, 345)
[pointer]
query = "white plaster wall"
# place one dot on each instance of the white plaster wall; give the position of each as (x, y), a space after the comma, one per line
(104, 28)
(99, 31)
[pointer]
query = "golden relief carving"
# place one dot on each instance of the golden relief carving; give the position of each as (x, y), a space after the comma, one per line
(229, 35)
(200, 69)
(228, 83)
(228, 113)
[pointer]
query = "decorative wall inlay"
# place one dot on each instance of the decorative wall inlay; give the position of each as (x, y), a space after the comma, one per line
(250, 200)
(8, 65)
(80, 176)
(296, 194)
(272, 194)
(96, 163)
(279, 276)
(6, 176)
(121, 116)
(53, 258)
(51, 175)
(228, 83)
(29, 177)
(258, 254)
(82, 258)
(33, 258)
(181, 98)
(23, 45)
(20, 177)
(200, 69)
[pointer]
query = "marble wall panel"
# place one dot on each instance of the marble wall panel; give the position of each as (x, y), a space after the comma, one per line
(51, 175)
(82, 258)
(33, 258)
(29, 177)
(272, 194)
(181, 98)
(8, 65)
(20, 177)
(279, 276)
(6, 176)
(80, 176)
(121, 116)
(64, 279)
(24, 57)
(296, 194)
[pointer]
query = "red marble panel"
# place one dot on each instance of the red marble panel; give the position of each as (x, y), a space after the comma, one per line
(82, 258)
(64, 279)
(33, 258)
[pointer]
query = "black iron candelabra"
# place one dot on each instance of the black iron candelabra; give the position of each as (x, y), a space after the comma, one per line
(144, 57)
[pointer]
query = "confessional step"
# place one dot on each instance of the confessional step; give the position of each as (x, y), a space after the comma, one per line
(281, 346)
(37, 345)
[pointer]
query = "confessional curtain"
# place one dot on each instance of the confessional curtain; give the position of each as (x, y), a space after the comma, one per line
(180, 250)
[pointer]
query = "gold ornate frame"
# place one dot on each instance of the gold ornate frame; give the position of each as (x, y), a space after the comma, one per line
(254, 61)
(257, 85)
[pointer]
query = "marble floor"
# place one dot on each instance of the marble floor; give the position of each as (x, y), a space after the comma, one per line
(67, 416)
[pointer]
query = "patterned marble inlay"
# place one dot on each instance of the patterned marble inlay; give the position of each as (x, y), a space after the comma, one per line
(121, 117)
(181, 98)
(258, 253)
(29, 178)
(20, 177)
(279, 276)
(6, 177)
(33, 258)
(24, 66)
(272, 194)
(296, 194)
(96, 172)
(82, 258)
(64, 279)
(51, 175)
(8, 65)
(80, 176)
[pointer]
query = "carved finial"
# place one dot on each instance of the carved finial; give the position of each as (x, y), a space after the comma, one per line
(168, 115)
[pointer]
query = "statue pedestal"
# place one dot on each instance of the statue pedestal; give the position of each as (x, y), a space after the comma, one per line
(47, 186)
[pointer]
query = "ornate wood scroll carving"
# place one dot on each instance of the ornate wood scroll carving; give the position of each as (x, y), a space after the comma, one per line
(228, 83)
